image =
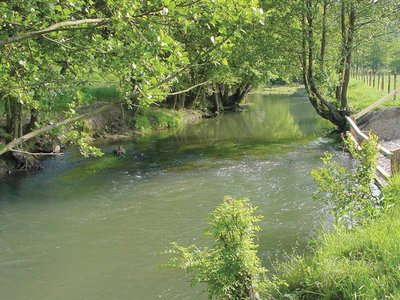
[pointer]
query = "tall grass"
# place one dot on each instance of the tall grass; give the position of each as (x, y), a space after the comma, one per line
(363, 263)
(360, 96)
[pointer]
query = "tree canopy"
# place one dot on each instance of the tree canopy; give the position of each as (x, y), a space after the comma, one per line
(186, 53)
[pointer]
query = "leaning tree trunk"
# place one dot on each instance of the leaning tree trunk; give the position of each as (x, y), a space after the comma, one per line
(239, 95)
(322, 106)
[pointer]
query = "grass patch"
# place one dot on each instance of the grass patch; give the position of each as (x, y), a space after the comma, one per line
(363, 263)
(280, 90)
(360, 96)
(151, 119)
(102, 93)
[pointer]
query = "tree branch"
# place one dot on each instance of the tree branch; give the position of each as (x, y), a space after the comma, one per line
(55, 27)
(9, 147)
(37, 154)
(191, 88)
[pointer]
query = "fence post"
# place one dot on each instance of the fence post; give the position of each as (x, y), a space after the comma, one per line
(395, 161)
(379, 81)
(373, 79)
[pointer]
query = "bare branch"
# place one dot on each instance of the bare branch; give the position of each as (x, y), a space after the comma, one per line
(37, 154)
(8, 147)
(66, 25)
(191, 88)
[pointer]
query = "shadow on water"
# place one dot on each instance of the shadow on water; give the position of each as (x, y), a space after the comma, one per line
(95, 228)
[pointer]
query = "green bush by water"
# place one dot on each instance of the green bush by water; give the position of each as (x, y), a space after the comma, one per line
(348, 192)
(230, 268)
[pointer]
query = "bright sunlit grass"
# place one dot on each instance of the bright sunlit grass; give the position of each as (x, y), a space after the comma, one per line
(360, 96)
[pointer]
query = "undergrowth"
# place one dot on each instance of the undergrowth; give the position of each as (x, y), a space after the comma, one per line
(361, 263)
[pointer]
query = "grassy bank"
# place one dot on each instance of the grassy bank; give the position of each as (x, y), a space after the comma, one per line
(280, 90)
(360, 96)
(150, 119)
(363, 263)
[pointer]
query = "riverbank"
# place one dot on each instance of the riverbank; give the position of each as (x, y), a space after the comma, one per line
(96, 228)
(361, 263)
(114, 124)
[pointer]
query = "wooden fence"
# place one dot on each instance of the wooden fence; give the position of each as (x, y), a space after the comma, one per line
(359, 136)
(380, 80)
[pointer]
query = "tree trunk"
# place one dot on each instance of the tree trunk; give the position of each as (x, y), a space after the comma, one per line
(33, 120)
(322, 106)
(342, 62)
(348, 57)
(323, 38)
(13, 110)
(239, 95)
(175, 97)
(218, 105)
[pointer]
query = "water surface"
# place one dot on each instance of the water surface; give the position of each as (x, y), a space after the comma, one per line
(97, 228)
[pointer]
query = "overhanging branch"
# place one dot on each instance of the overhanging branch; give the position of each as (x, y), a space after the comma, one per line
(10, 146)
(66, 25)
(189, 89)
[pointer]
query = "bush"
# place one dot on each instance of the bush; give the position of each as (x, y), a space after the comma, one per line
(231, 268)
(349, 192)
(391, 192)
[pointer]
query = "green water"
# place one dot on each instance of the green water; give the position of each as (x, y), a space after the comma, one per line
(97, 228)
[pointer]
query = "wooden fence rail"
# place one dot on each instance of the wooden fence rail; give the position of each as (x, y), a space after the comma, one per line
(358, 136)
(377, 103)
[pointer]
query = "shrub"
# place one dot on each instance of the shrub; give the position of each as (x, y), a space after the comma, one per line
(391, 192)
(231, 268)
(349, 191)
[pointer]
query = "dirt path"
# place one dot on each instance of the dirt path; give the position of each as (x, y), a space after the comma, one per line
(386, 124)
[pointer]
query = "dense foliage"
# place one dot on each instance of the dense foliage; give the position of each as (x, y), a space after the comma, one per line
(327, 36)
(181, 53)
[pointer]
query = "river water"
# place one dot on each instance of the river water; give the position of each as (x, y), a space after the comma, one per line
(97, 228)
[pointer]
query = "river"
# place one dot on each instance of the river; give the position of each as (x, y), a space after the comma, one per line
(98, 228)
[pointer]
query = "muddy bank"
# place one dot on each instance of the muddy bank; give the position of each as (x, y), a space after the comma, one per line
(384, 123)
